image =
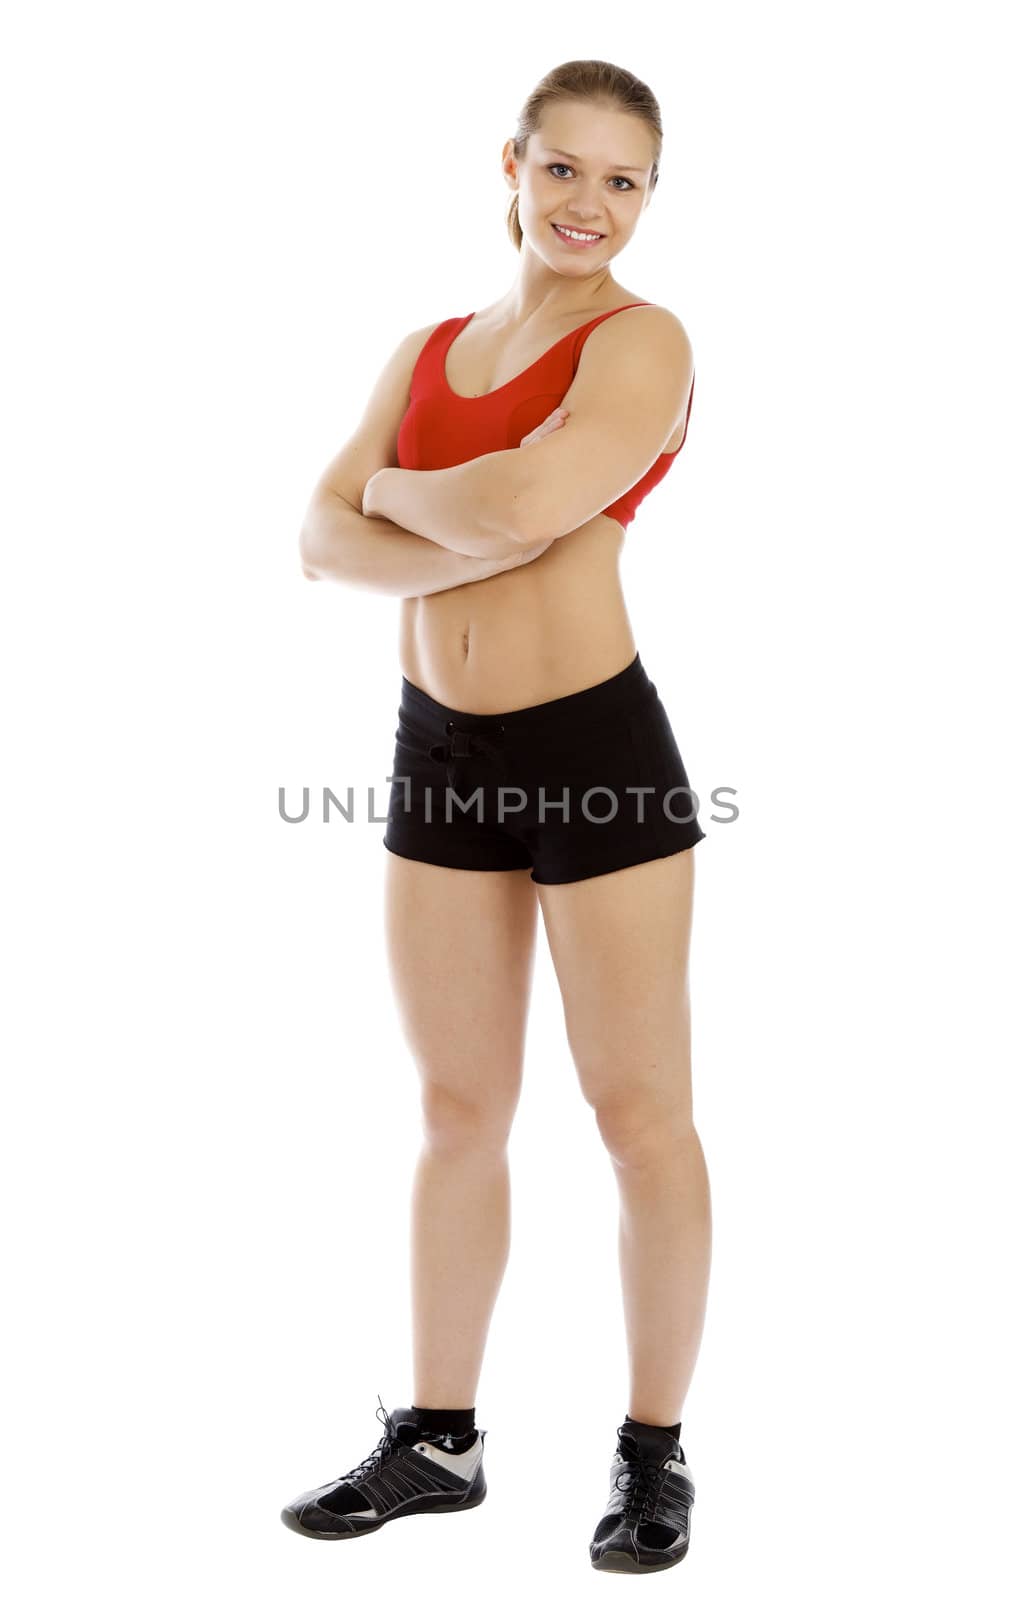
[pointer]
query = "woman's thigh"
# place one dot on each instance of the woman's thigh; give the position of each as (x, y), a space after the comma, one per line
(620, 945)
(461, 948)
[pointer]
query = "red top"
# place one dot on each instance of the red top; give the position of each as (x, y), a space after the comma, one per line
(443, 429)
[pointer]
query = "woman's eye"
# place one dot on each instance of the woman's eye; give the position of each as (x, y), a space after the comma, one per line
(565, 168)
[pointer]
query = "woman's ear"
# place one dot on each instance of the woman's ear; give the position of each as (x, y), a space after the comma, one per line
(509, 165)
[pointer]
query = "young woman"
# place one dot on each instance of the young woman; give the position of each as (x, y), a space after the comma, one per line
(489, 485)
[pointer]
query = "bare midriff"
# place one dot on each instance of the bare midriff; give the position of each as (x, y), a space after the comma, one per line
(552, 627)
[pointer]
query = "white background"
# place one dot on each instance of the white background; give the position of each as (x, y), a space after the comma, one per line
(220, 221)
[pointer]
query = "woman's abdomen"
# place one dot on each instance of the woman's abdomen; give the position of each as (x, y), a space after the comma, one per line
(533, 633)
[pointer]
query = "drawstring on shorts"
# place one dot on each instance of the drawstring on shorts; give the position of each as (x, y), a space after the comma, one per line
(464, 742)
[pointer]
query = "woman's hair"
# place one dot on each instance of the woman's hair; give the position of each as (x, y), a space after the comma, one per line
(600, 83)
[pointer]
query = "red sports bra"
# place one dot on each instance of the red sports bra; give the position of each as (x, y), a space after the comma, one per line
(442, 428)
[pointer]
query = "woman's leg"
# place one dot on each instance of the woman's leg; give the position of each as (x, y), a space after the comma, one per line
(461, 947)
(620, 947)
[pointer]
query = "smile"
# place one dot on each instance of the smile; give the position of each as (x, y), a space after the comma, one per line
(577, 236)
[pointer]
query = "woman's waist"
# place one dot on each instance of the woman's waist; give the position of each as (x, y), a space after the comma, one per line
(526, 635)
(551, 711)
(488, 663)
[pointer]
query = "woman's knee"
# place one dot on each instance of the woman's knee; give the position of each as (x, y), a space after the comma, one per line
(636, 1125)
(467, 1118)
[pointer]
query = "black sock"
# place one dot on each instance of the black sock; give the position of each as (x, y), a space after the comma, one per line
(456, 1422)
(674, 1431)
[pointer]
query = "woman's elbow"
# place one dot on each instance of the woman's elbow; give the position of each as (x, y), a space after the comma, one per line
(533, 519)
(314, 548)
(307, 569)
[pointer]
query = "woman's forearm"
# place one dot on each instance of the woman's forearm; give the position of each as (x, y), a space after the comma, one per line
(469, 508)
(337, 542)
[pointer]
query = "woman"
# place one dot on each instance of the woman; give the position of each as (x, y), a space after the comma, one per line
(489, 485)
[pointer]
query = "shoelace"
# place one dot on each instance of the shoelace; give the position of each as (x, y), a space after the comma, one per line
(645, 1480)
(380, 1455)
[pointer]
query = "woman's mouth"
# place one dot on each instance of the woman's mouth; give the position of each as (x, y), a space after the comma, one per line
(578, 238)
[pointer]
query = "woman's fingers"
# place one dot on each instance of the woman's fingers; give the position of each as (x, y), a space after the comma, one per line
(522, 555)
(555, 420)
(533, 550)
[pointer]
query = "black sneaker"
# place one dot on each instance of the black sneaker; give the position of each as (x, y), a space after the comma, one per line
(647, 1521)
(408, 1472)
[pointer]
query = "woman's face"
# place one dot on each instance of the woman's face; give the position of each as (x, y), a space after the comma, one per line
(587, 169)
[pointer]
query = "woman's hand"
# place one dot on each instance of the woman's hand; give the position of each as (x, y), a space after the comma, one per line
(373, 487)
(369, 507)
(481, 566)
(550, 424)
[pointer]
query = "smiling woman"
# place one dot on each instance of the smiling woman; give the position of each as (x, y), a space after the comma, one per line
(491, 483)
(575, 236)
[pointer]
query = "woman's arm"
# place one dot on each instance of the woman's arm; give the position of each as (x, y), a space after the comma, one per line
(341, 541)
(337, 542)
(470, 508)
(461, 509)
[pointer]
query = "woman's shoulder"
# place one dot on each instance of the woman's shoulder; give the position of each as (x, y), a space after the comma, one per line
(418, 337)
(656, 321)
(412, 345)
(650, 311)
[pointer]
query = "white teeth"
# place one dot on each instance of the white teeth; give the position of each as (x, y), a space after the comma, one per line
(572, 235)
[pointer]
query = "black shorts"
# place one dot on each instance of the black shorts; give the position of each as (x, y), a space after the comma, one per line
(571, 788)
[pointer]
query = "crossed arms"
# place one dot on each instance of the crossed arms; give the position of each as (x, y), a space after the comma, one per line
(631, 388)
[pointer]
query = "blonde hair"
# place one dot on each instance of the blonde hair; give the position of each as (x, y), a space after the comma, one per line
(600, 83)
